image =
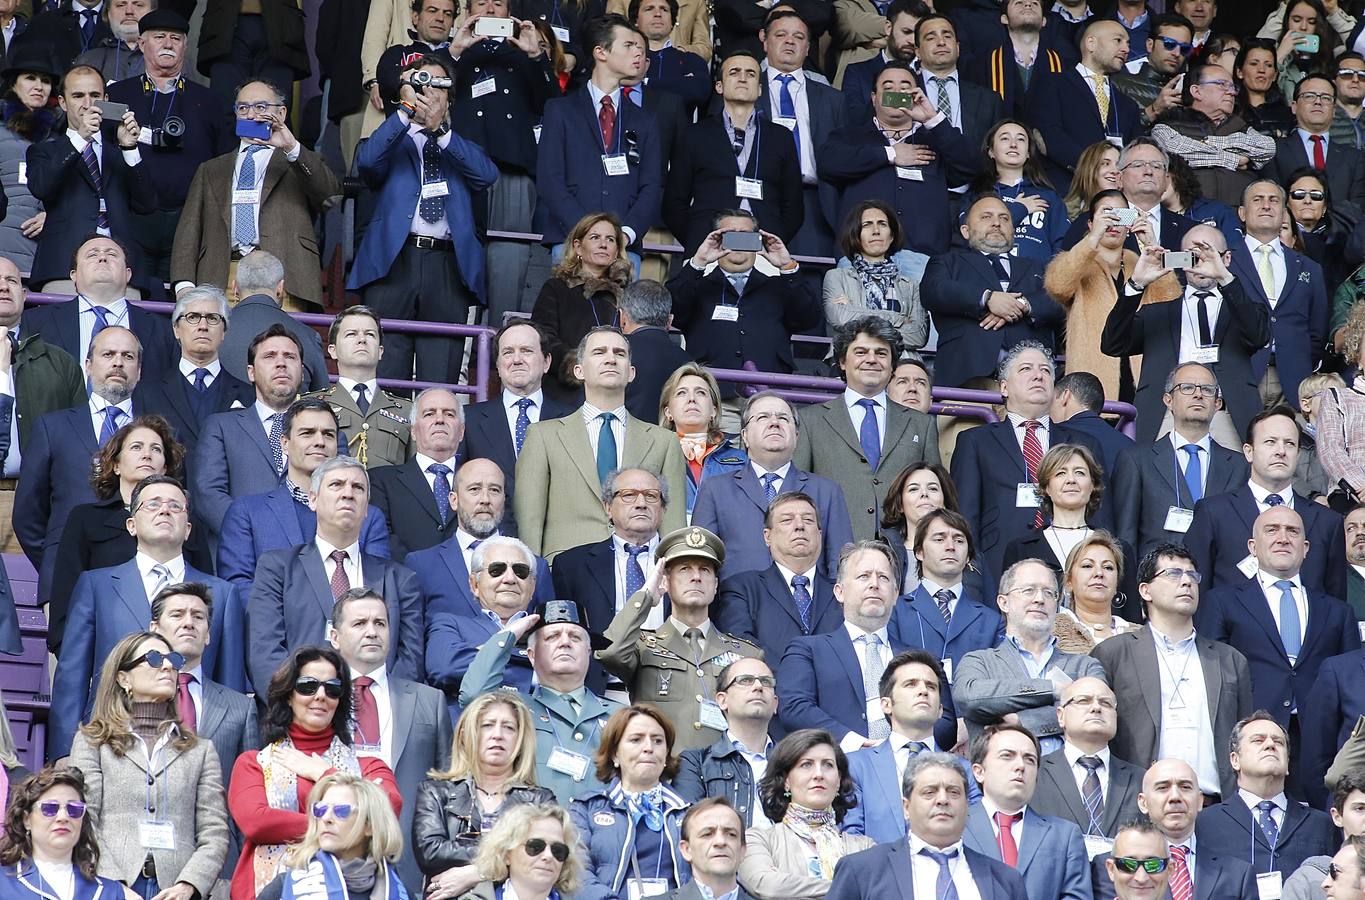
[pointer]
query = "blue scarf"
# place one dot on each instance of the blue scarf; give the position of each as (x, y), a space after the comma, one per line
(647, 806)
(322, 880)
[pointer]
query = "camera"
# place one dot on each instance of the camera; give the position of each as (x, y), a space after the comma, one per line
(422, 77)
(171, 134)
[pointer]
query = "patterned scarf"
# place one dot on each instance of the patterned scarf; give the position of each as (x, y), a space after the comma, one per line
(648, 806)
(817, 827)
(282, 792)
(879, 282)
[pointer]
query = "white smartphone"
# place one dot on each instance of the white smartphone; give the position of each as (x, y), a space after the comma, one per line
(492, 26)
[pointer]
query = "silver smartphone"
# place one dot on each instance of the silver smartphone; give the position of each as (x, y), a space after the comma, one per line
(1177, 259)
(492, 26)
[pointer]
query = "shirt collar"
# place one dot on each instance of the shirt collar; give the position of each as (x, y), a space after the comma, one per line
(1074, 753)
(1177, 441)
(464, 539)
(118, 308)
(781, 471)
(681, 628)
(1261, 493)
(187, 368)
(510, 400)
(1268, 579)
(196, 673)
(98, 403)
(852, 398)
(1165, 641)
(326, 549)
(855, 632)
(951, 76)
(423, 461)
(379, 676)
(1276, 248)
(175, 566)
(991, 809)
(932, 587)
(1047, 651)
(348, 384)
(1017, 420)
(898, 742)
(618, 544)
(1188, 844)
(788, 574)
(597, 94)
(263, 412)
(799, 76)
(735, 742)
(1280, 800)
(262, 148)
(591, 412)
(916, 845)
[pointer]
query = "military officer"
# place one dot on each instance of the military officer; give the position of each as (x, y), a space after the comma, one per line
(678, 666)
(377, 425)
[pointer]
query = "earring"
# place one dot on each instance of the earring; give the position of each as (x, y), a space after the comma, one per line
(786, 795)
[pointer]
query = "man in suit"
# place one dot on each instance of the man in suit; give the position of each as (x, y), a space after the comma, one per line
(971, 108)
(859, 440)
(99, 268)
(1328, 720)
(1310, 145)
(405, 723)
(282, 518)
(984, 300)
(110, 603)
(422, 260)
(940, 615)
(735, 159)
(54, 476)
(560, 505)
(911, 696)
(627, 179)
(197, 386)
(1082, 106)
(1355, 556)
(1292, 287)
(1084, 782)
(1144, 178)
(496, 428)
(1077, 400)
(857, 80)
(259, 285)
(737, 505)
(1026, 672)
(414, 494)
(1049, 853)
(992, 460)
(279, 186)
(1217, 537)
(1259, 824)
(66, 30)
(375, 422)
(1190, 718)
(313, 575)
(1156, 485)
(934, 792)
(713, 844)
(646, 310)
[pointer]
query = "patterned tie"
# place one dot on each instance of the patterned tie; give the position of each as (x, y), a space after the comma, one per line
(1205, 333)
(1274, 500)
(1033, 457)
(868, 436)
(523, 422)
(162, 576)
(366, 713)
(101, 321)
(340, 582)
(244, 214)
(878, 728)
(1319, 153)
(111, 416)
(362, 400)
(1289, 620)
(998, 267)
(92, 165)
(88, 20)
(786, 108)
(1194, 474)
(431, 209)
(945, 102)
(276, 433)
(1092, 794)
(1267, 822)
(440, 490)
(738, 142)
(1267, 273)
(1182, 888)
(801, 594)
(635, 573)
(201, 383)
(606, 118)
(944, 598)
(1102, 96)
(1009, 850)
(184, 703)
(606, 447)
(769, 480)
(944, 889)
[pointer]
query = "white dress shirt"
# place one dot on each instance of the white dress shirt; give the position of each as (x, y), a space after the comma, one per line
(384, 706)
(1189, 318)
(781, 472)
(758, 764)
(440, 229)
(423, 461)
(857, 413)
(802, 103)
(509, 405)
(349, 385)
(926, 871)
(1260, 494)
(351, 565)
(1182, 458)
(932, 87)
(97, 407)
(1017, 829)
(1277, 814)
(1276, 264)
(1080, 773)
(1272, 598)
(116, 314)
(213, 368)
(1186, 729)
(852, 741)
(175, 569)
(621, 559)
(594, 426)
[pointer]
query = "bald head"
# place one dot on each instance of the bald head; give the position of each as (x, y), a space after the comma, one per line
(478, 497)
(1204, 234)
(1171, 797)
(1278, 541)
(1104, 47)
(1088, 714)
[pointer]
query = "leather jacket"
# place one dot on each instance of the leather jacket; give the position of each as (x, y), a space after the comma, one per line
(445, 823)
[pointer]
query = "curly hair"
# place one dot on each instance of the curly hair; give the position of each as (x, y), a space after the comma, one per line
(772, 790)
(16, 844)
(106, 481)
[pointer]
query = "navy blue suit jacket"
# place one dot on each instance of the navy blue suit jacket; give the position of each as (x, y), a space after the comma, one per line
(169, 397)
(487, 435)
(389, 164)
(655, 358)
(1338, 703)
(587, 573)
(1215, 878)
(111, 603)
(452, 643)
(1240, 616)
(408, 504)
(59, 324)
(274, 520)
(1064, 110)
(1227, 829)
(758, 607)
(885, 871)
(917, 622)
(1112, 441)
(684, 74)
(11, 641)
(1298, 322)
(1222, 523)
(732, 506)
(444, 580)
(880, 812)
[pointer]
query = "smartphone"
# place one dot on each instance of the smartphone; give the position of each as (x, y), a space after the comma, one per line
(1308, 43)
(111, 110)
(897, 100)
(250, 128)
(492, 26)
(1177, 259)
(745, 241)
(1124, 216)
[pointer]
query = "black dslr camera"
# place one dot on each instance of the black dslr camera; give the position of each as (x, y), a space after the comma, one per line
(171, 134)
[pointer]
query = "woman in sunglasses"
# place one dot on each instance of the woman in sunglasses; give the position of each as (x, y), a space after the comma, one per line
(531, 854)
(1323, 233)
(154, 788)
(492, 770)
(46, 851)
(349, 848)
(307, 735)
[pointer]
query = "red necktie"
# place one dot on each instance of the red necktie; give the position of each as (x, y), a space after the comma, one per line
(606, 117)
(1319, 156)
(1033, 457)
(185, 703)
(1009, 850)
(1182, 888)
(366, 713)
(340, 583)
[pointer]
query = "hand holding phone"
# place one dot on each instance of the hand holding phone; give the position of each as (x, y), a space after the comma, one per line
(743, 241)
(494, 26)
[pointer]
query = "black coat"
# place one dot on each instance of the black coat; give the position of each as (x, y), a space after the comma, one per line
(59, 32)
(401, 493)
(445, 824)
(284, 31)
(566, 314)
(501, 122)
(338, 51)
(655, 358)
(169, 397)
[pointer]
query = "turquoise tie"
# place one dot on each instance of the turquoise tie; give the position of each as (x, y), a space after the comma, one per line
(606, 448)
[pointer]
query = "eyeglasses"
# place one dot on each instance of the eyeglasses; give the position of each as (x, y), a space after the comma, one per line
(764, 418)
(307, 686)
(1227, 87)
(156, 659)
(629, 495)
(1189, 389)
(1154, 865)
(1351, 74)
(1031, 591)
(498, 569)
(1150, 165)
(49, 808)
(156, 504)
(1104, 702)
(194, 318)
(340, 810)
(767, 681)
(1177, 574)
(260, 107)
(1170, 44)
(1317, 97)
(536, 846)
(1301, 194)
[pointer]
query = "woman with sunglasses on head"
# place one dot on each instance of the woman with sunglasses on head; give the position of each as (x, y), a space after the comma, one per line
(47, 851)
(492, 770)
(155, 790)
(349, 848)
(306, 731)
(533, 853)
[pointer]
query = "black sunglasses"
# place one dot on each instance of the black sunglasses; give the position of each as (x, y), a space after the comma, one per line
(156, 659)
(307, 686)
(558, 849)
(1301, 194)
(498, 569)
(1154, 865)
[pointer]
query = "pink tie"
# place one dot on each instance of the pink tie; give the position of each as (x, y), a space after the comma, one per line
(185, 703)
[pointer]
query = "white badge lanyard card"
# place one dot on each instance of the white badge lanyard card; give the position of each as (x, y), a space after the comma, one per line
(710, 714)
(1203, 353)
(566, 761)
(725, 312)
(1179, 518)
(1026, 492)
(746, 187)
(638, 887)
(154, 833)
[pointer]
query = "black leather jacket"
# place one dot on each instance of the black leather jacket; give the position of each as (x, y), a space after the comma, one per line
(445, 824)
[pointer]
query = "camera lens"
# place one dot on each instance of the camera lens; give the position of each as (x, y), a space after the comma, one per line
(421, 76)
(174, 126)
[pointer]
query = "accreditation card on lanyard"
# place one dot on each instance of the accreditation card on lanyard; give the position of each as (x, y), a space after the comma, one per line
(153, 833)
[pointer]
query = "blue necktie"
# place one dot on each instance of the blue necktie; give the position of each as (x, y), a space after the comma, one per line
(606, 447)
(944, 889)
(362, 401)
(111, 416)
(201, 380)
(786, 108)
(440, 490)
(1274, 500)
(244, 214)
(1289, 620)
(802, 597)
(101, 321)
(88, 17)
(770, 486)
(868, 435)
(1194, 474)
(277, 432)
(1267, 822)
(635, 574)
(523, 422)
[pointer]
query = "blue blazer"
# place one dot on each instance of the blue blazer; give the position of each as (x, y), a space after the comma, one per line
(1338, 703)
(880, 812)
(587, 573)
(732, 506)
(453, 641)
(273, 521)
(108, 604)
(758, 606)
(1215, 878)
(571, 179)
(1222, 523)
(389, 164)
(487, 436)
(22, 882)
(59, 324)
(1227, 829)
(1240, 616)
(885, 871)
(1112, 441)
(1052, 857)
(1063, 109)
(1298, 322)
(444, 580)
(917, 622)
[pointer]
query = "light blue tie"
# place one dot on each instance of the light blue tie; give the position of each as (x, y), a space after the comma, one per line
(786, 108)
(1194, 474)
(1289, 620)
(606, 447)
(868, 435)
(944, 888)
(243, 214)
(111, 416)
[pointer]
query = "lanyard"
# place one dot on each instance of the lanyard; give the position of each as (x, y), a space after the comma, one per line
(1176, 680)
(596, 724)
(175, 92)
(751, 170)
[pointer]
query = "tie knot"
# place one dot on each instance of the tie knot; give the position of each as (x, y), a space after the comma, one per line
(607, 418)
(525, 403)
(1284, 586)
(871, 640)
(439, 470)
(1090, 763)
(1100, 79)
(1192, 450)
(1006, 820)
(937, 856)
(916, 747)
(338, 556)
(786, 78)
(1317, 138)
(943, 595)
(1179, 851)
(1031, 425)
(363, 682)
(868, 404)
(769, 478)
(361, 389)
(799, 581)
(1264, 250)
(1274, 500)
(200, 373)
(186, 678)
(112, 413)
(1266, 806)
(606, 102)
(636, 549)
(473, 545)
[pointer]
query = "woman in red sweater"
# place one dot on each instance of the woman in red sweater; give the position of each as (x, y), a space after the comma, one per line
(307, 735)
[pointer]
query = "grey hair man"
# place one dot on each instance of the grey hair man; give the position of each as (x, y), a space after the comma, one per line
(258, 286)
(646, 311)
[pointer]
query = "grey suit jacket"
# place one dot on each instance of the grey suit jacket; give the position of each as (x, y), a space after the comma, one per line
(189, 795)
(1058, 796)
(827, 445)
(1052, 856)
(692, 891)
(421, 742)
(233, 459)
(991, 684)
(1130, 664)
(228, 719)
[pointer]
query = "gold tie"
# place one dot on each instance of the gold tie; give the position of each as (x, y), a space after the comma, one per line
(1102, 96)
(1267, 274)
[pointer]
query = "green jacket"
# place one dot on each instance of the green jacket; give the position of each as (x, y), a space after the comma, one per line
(48, 379)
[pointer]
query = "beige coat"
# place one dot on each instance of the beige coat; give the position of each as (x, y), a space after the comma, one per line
(775, 864)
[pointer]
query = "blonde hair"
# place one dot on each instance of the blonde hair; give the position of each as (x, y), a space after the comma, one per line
(111, 721)
(570, 267)
(464, 744)
(713, 432)
(1316, 383)
(1098, 538)
(372, 811)
(510, 832)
